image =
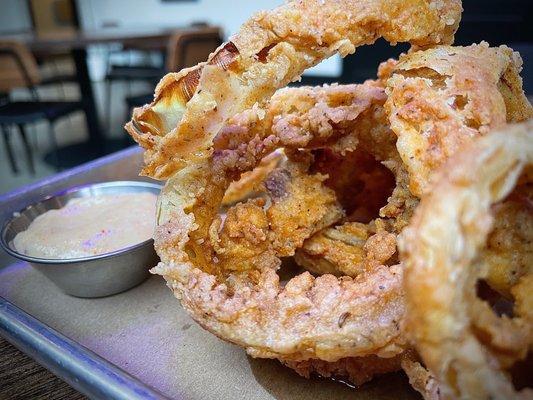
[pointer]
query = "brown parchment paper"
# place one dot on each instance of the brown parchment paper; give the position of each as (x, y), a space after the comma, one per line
(146, 332)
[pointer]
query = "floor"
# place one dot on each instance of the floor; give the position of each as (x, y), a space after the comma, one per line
(68, 130)
(23, 378)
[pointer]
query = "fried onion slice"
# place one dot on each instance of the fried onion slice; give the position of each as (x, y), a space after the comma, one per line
(440, 250)
(442, 98)
(250, 182)
(425, 89)
(270, 50)
(420, 378)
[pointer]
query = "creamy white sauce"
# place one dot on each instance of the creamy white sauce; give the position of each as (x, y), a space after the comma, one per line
(89, 226)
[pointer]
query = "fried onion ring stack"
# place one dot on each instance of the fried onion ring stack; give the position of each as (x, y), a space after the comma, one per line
(272, 49)
(351, 247)
(330, 176)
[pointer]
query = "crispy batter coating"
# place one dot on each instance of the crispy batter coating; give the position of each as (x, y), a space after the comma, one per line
(463, 343)
(509, 253)
(425, 89)
(343, 118)
(348, 249)
(239, 151)
(420, 378)
(442, 98)
(252, 235)
(367, 141)
(227, 156)
(343, 250)
(303, 117)
(210, 125)
(272, 49)
(249, 183)
(431, 125)
(294, 207)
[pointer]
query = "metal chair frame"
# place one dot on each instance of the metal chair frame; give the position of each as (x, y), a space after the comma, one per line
(5, 126)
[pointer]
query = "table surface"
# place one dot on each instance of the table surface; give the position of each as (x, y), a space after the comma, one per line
(23, 378)
(81, 38)
(76, 41)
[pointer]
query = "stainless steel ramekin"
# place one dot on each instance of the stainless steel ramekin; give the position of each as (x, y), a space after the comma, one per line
(94, 276)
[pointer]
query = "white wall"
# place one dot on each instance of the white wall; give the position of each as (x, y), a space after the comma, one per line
(14, 16)
(229, 14)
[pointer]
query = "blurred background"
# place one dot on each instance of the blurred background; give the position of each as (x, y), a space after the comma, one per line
(72, 70)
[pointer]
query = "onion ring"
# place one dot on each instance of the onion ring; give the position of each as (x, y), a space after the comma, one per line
(181, 131)
(440, 250)
(341, 250)
(245, 304)
(272, 49)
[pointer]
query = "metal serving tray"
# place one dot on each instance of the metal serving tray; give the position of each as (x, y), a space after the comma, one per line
(140, 344)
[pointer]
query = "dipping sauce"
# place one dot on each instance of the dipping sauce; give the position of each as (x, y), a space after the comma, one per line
(89, 226)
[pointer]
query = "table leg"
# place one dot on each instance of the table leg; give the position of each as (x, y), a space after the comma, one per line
(87, 96)
(98, 144)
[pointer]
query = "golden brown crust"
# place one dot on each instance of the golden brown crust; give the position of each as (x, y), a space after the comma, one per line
(348, 249)
(250, 182)
(362, 142)
(343, 118)
(307, 117)
(297, 321)
(439, 249)
(223, 268)
(509, 254)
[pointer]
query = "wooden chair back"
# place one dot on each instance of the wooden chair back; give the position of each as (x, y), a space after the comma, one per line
(53, 15)
(18, 67)
(186, 49)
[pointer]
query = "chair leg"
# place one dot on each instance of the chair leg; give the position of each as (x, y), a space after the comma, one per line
(108, 105)
(53, 141)
(127, 118)
(27, 147)
(127, 114)
(34, 140)
(9, 149)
